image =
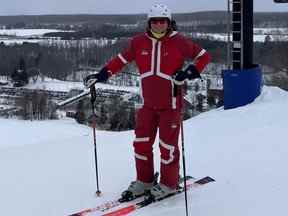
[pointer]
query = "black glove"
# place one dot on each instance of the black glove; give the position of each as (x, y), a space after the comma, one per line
(190, 73)
(91, 79)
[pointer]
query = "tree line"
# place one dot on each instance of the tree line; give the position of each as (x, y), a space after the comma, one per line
(35, 106)
(57, 60)
(60, 60)
(78, 21)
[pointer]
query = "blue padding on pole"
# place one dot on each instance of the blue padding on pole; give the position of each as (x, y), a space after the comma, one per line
(241, 86)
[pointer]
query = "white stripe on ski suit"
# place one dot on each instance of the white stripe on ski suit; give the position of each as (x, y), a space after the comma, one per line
(202, 52)
(140, 157)
(122, 58)
(173, 33)
(158, 72)
(142, 76)
(141, 139)
(171, 151)
(153, 54)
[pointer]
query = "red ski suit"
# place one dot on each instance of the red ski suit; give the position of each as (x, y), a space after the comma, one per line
(157, 60)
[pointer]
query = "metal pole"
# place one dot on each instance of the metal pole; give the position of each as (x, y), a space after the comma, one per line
(229, 34)
(242, 36)
(247, 33)
(183, 153)
(93, 98)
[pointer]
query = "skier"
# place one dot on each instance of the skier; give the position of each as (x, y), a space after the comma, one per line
(159, 54)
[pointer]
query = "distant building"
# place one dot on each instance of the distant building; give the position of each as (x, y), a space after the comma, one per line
(268, 38)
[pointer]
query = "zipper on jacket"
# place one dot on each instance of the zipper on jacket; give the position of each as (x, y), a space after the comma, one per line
(155, 57)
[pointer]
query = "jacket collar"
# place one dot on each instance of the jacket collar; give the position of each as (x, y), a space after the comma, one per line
(169, 35)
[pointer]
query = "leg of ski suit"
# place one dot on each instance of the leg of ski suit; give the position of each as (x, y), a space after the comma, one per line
(169, 127)
(145, 131)
(168, 121)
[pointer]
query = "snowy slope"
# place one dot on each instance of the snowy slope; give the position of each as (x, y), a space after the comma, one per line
(47, 167)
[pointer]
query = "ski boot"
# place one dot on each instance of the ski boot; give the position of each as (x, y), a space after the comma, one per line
(159, 192)
(137, 189)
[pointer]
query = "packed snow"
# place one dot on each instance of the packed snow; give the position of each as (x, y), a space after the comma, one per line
(47, 167)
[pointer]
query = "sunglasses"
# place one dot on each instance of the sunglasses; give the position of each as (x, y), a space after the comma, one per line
(158, 21)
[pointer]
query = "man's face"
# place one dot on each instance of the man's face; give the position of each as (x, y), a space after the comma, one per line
(159, 25)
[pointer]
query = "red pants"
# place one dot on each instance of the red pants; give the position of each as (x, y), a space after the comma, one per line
(147, 123)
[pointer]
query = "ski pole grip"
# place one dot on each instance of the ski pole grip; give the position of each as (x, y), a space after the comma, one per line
(175, 90)
(93, 93)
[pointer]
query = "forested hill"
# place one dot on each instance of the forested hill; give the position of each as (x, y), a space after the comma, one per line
(88, 19)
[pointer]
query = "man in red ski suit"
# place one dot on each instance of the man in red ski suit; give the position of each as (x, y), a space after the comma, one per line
(159, 54)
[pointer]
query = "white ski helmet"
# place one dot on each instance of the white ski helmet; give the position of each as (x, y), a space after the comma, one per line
(159, 10)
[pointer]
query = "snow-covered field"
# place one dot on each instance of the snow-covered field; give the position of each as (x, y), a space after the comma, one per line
(23, 35)
(66, 86)
(270, 30)
(47, 167)
(260, 34)
(54, 84)
(26, 32)
(258, 37)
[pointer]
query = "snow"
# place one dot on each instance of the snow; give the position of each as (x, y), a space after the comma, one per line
(19, 41)
(49, 41)
(47, 167)
(257, 37)
(52, 84)
(270, 30)
(276, 34)
(27, 32)
(65, 86)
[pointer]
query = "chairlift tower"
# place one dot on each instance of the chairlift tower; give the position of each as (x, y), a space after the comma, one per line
(242, 80)
(242, 34)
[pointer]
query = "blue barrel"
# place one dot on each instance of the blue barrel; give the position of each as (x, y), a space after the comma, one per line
(241, 87)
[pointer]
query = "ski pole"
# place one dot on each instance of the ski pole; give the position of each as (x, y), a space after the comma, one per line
(183, 153)
(93, 98)
(176, 90)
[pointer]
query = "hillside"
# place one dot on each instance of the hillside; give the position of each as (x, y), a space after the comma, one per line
(47, 167)
(87, 19)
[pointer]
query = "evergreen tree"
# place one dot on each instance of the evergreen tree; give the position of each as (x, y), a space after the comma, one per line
(19, 76)
(80, 114)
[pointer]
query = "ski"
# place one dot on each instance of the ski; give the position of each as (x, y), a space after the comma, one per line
(106, 209)
(133, 207)
(115, 203)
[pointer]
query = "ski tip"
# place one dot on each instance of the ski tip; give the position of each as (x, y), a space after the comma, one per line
(190, 177)
(205, 180)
